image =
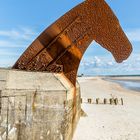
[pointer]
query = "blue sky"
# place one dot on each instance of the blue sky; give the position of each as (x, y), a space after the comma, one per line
(22, 21)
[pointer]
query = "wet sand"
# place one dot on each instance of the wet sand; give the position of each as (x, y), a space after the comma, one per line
(108, 122)
(129, 83)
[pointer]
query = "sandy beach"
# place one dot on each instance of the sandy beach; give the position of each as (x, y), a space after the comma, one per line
(108, 122)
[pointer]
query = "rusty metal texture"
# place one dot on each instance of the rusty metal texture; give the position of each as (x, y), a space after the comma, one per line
(61, 46)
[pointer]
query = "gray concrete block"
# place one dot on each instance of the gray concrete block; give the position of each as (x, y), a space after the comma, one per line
(37, 105)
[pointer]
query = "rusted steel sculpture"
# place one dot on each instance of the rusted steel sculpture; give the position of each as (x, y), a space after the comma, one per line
(61, 46)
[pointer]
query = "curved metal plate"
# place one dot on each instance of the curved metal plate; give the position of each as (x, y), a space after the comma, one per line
(61, 46)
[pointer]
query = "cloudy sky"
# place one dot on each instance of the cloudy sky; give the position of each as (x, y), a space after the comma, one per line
(21, 21)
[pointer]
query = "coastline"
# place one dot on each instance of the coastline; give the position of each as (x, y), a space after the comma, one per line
(128, 83)
(108, 122)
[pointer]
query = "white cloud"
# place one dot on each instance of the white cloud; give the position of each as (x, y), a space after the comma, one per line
(11, 33)
(17, 38)
(107, 66)
(133, 34)
(8, 53)
(7, 43)
(7, 62)
(13, 42)
(21, 33)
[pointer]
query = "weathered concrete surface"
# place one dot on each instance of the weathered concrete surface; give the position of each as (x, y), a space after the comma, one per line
(36, 105)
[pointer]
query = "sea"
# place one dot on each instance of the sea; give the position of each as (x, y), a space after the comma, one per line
(128, 84)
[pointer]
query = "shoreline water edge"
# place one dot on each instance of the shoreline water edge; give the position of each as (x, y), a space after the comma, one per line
(130, 84)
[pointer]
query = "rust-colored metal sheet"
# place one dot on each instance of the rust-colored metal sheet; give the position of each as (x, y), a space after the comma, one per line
(61, 46)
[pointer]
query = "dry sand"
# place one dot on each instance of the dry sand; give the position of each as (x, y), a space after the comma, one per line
(108, 122)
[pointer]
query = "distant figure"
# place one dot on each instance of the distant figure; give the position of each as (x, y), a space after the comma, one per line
(122, 101)
(116, 101)
(97, 101)
(105, 101)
